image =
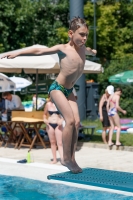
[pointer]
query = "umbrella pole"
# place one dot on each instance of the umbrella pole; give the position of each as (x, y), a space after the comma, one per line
(36, 87)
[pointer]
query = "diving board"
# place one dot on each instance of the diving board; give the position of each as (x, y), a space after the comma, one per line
(98, 177)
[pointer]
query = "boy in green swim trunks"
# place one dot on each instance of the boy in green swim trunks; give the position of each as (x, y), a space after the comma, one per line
(72, 60)
(56, 86)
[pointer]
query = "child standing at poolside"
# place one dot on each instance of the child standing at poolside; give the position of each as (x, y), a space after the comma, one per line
(72, 60)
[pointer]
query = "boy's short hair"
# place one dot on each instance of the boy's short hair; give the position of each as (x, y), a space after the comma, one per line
(76, 23)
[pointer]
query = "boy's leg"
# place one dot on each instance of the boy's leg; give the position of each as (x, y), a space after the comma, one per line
(74, 107)
(65, 109)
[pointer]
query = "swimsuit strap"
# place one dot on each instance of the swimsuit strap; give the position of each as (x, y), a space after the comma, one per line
(112, 101)
(53, 112)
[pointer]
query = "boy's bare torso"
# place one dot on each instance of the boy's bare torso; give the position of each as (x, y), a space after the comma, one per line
(72, 64)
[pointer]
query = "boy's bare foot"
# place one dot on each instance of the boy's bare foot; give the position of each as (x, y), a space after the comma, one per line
(74, 161)
(72, 166)
(80, 170)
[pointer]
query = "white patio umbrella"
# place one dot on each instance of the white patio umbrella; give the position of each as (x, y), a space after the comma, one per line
(6, 84)
(42, 64)
(20, 82)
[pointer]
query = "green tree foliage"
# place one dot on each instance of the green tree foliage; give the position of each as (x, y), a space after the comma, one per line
(51, 22)
(16, 23)
(114, 42)
(27, 22)
(114, 28)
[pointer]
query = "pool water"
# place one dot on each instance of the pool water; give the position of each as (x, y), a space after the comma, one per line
(16, 188)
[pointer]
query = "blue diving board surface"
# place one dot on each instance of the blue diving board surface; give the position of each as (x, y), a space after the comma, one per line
(98, 177)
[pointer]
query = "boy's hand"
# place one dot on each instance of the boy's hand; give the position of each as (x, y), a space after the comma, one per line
(9, 55)
(90, 51)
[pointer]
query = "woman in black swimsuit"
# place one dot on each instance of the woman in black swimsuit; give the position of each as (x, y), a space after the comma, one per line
(53, 121)
(103, 111)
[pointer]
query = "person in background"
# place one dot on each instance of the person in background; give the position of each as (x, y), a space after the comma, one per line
(103, 111)
(113, 108)
(2, 105)
(12, 102)
(34, 101)
(53, 121)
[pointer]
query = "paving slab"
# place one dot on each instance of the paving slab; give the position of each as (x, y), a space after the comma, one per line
(86, 157)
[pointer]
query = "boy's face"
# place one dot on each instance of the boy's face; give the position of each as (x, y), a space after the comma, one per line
(79, 37)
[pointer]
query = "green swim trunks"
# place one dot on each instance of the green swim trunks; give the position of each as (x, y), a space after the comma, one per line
(56, 86)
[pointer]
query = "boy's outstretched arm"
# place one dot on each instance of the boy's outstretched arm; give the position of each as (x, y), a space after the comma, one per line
(89, 51)
(35, 50)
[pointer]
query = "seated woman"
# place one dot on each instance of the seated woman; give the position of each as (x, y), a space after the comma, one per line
(53, 121)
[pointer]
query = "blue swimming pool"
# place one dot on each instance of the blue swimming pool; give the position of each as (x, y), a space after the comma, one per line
(16, 188)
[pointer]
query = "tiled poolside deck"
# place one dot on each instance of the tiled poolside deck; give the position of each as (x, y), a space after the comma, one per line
(85, 156)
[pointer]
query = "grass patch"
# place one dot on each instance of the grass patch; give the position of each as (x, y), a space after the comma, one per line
(126, 139)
